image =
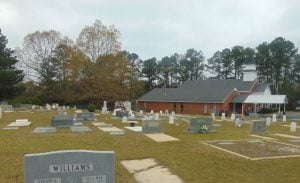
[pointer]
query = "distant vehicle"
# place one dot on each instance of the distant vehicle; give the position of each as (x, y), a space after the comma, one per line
(298, 105)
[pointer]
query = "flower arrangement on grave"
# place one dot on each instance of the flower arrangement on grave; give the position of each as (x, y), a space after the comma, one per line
(203, 129)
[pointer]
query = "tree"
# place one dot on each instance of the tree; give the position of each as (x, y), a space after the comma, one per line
(150, 72)
(215, 65)
(99, 40)
(191, 65)
(167, 68)
(238, 58)
(10, 76)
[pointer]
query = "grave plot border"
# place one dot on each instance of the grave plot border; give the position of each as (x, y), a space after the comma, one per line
(247, 157)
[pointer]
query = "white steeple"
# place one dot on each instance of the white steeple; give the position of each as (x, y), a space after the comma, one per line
(249, 71)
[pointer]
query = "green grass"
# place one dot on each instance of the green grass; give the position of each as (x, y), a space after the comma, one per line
(191, 160)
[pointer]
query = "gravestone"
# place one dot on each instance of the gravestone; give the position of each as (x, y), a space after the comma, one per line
(48, 107)
(74, 166)
(6, 107)
(84, 116)
(124, 119)
(258, 126)
(61, 121)
(151, 112)
(293, 127)
(44, 130)
(151, 126)
(171, 119)
(274, 118)
(0, 112)
(213, 116)
(167, 112)
(33, 107)
(120, 113)
(268, 121)
(78, 129)
(141, 112)
(173, 113)
(156, 117)
(237, 122)
(74, 108)
(104, 108)
(68, 107)
(161, 112)
(200, 125)
(232, 117)
(64, 108)
(284, 118)
(223, 116)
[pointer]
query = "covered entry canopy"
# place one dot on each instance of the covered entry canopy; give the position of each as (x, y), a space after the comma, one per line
(266, 99)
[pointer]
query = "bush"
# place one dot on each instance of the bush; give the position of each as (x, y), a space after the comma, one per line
(267, 110)
(26, 100)
(91, 108)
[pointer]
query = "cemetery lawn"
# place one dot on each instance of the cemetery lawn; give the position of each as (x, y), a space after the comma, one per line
(188, 158)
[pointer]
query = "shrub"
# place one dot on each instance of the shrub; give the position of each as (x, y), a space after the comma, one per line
(91, 108)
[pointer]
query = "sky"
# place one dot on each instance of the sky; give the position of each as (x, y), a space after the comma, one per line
(157, 28)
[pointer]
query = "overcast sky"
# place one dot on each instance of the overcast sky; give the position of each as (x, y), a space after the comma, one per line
(157, 28)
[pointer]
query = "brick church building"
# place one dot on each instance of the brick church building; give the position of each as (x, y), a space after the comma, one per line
(207, 96)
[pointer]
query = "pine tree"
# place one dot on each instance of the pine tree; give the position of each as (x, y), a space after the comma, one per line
(10, 76)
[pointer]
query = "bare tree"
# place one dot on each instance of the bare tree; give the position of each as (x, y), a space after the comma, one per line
(99, 40)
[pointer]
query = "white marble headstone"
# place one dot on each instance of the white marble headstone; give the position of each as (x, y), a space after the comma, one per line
(171, 119)
(223, 116)
(268, 121)
(293, 127)
(232, 116)
(213, 116)
(124, 119)
(104, 108)
(173, 113)
(161, 112)
(141, 112)
(152, 112)
(274, 118)
(156, 117)
(284, 118)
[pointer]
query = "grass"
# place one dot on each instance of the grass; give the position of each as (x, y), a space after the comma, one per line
(191, 160)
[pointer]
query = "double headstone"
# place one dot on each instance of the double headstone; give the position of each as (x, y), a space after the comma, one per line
(70, 166)
(84, 116)
(151, 126)
(258, 126)
(61, 121)
(293, 127)
(200, 125)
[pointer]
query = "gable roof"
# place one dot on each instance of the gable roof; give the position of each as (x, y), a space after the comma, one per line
(206, 91)
(260, 87)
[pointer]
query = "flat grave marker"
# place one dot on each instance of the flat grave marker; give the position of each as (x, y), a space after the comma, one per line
(72, 166)
(44, 130)
(79, 129)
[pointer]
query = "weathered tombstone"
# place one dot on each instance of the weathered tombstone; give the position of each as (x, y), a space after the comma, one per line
(293, 127)
(161, 112)
(213, 116)
(64, 108)
(173, 113)
(237, 122)
(33, 107)
(114, 112)
(124, 119)
(84, 116)
(156, 117)
(62, 121)
(104, 108)
(75, 166)
(258, 126)
(200, 125)
(284, 118)
(223, 116)
(48, 107)
(151, 126)
(274, 118)
(268, 121)
(232, 117)
(6, 107)
(68, 107)
(141, 112)
(171, 119)
(151, 112)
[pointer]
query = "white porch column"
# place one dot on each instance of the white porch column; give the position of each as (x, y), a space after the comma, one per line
(242, 109)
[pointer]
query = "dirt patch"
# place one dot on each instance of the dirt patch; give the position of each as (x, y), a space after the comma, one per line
(257, 149)
(161, 137)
